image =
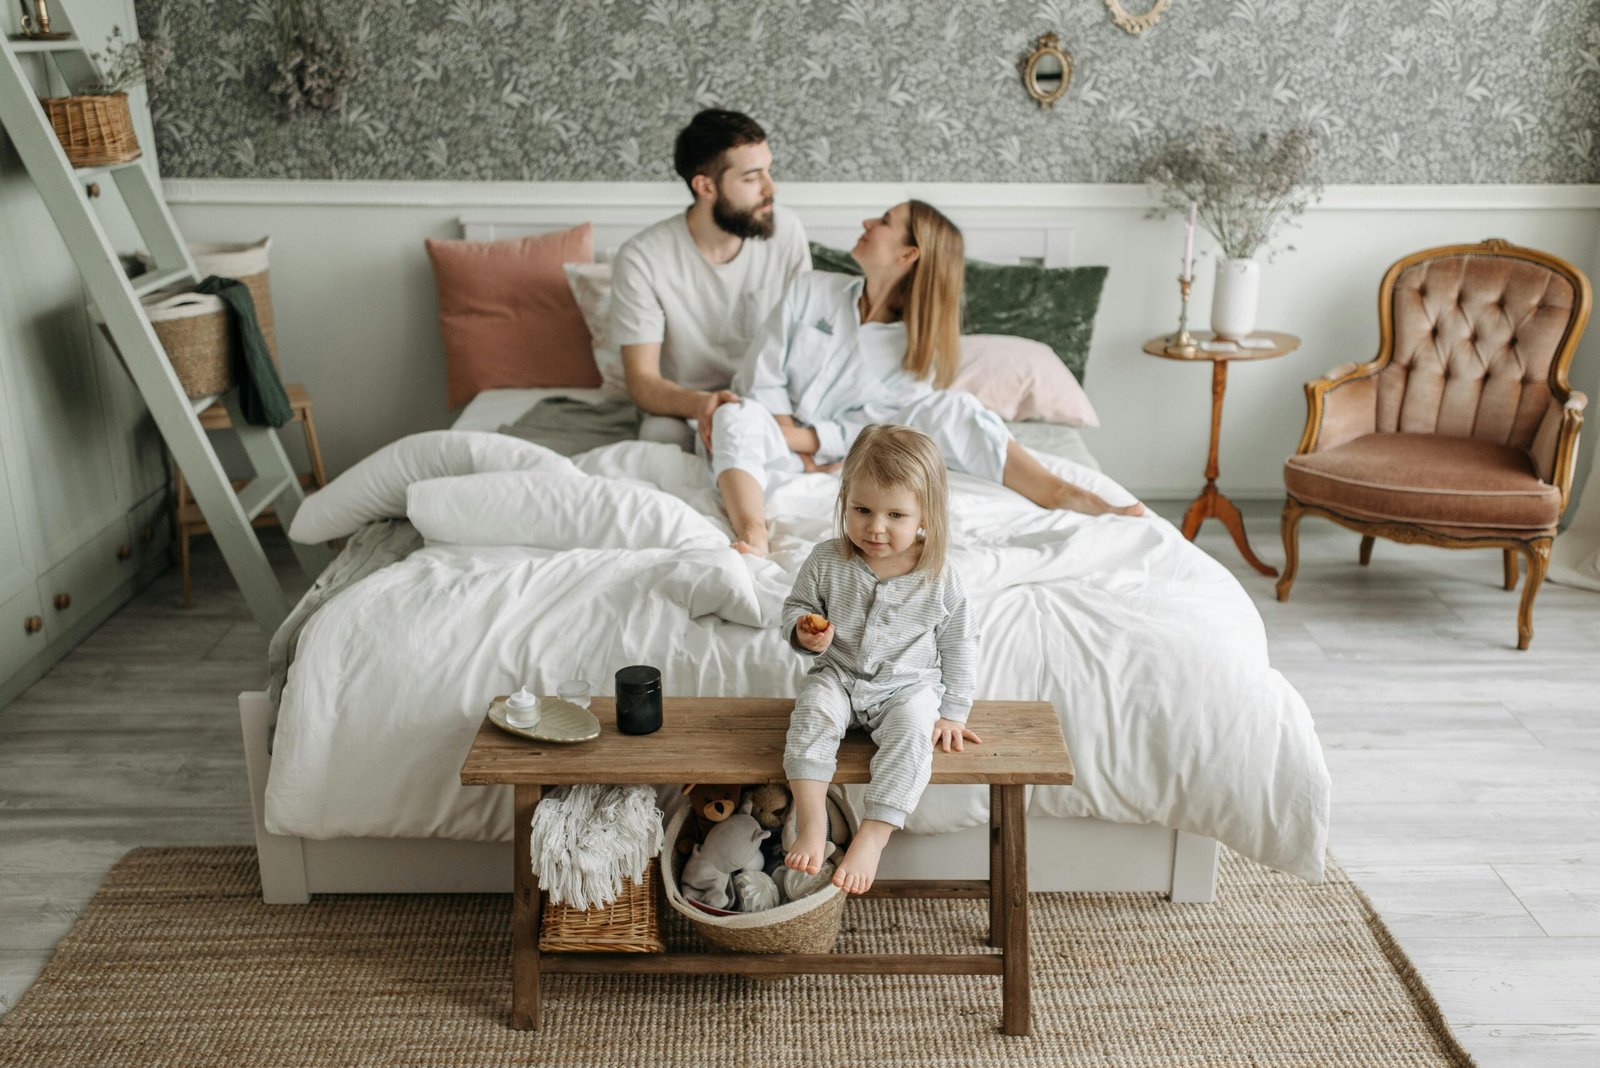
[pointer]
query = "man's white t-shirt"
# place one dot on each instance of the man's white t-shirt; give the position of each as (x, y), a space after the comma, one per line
(706, 316)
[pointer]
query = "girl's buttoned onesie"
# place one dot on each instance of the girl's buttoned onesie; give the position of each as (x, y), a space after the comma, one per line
(904, 654)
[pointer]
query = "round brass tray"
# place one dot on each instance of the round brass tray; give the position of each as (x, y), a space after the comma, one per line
(559, 721)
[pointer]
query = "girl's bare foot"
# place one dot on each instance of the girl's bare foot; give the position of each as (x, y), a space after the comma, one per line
(859, 867)
(810, 842)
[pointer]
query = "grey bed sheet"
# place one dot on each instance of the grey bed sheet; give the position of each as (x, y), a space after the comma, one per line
(568, 426)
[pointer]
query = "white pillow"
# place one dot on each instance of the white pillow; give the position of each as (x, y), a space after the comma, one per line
(591, 288)
(1019, 380)
(549, 509)
(376, 487)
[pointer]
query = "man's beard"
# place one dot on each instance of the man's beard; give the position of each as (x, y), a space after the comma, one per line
(742, 223)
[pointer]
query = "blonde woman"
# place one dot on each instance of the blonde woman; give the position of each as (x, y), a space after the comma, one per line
(843, 352)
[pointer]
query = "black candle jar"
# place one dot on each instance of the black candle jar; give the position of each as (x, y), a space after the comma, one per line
(639, 699)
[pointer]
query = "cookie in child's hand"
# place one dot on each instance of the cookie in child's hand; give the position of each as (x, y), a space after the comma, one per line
(811, 623)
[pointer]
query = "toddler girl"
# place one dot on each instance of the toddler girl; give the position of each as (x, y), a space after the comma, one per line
(895, 646)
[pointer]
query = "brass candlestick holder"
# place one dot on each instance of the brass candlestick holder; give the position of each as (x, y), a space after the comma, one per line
(37, 26)
(1183, 343)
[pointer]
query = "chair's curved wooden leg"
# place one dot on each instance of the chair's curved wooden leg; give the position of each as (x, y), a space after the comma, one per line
(1290, 525)
(1511, 567)
(1366, 549)
(1538, 554)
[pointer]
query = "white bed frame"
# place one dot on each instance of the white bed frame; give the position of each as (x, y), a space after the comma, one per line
(1063, 854)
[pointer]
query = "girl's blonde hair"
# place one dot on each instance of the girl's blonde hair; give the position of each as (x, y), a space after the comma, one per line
(900, 457)
(931, 295)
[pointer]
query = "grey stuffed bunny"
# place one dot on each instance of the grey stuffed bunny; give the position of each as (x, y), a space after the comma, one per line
(731, 846)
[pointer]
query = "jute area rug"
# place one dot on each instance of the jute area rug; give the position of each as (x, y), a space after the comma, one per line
(176, 962)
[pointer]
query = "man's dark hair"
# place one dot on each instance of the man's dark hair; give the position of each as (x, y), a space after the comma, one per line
(701, 145)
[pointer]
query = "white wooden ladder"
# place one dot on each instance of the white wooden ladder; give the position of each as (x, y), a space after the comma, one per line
(66, 192)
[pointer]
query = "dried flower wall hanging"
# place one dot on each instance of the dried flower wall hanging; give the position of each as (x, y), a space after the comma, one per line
(314, 64)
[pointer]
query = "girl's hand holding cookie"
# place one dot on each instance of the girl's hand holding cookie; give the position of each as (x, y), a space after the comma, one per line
(814, 632)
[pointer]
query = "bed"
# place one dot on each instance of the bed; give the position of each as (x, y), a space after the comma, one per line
(1154, 656)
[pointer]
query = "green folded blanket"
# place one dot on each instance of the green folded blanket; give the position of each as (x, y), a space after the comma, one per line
(262, 399)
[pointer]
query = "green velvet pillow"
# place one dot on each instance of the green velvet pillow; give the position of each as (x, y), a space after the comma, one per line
(1052, 305)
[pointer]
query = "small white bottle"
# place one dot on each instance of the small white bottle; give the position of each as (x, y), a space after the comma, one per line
(522, 709)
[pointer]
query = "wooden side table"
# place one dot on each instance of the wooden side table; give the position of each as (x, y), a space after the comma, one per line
(740, 740)
(1212, 503)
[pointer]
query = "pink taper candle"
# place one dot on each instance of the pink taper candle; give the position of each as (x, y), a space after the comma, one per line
(1188, 244)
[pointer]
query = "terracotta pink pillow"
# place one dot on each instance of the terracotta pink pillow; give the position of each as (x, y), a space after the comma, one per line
(1018, 380)
(507, 313)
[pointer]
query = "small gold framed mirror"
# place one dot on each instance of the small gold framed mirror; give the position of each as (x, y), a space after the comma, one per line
(1048, 71)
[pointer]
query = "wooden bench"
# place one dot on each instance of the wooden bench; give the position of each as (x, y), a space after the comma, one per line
(740, 740)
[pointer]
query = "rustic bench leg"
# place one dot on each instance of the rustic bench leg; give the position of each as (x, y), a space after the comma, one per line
(1017, 1004)
(527, 908)
(997, 879)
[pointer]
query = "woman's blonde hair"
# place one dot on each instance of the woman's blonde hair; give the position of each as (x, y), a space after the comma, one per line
(931, 295)
(900, 457)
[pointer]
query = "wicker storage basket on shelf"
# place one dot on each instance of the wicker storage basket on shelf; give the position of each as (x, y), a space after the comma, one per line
(193, 328)
(630, 924)
(809, 925)
(247, 263)
(94, 130)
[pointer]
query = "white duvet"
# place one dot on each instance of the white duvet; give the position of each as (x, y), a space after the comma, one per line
(539, 569)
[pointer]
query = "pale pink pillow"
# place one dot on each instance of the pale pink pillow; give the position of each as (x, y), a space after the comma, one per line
(507, 314)
(1019, 380)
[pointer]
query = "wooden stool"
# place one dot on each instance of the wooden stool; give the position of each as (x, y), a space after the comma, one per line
(187, 515)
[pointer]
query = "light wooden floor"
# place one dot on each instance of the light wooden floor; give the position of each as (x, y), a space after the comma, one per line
(1466, 775)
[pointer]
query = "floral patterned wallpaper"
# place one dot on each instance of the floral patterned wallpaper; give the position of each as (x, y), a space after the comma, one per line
(1414, 91)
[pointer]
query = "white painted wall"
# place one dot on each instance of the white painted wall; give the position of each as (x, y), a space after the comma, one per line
(356, 311)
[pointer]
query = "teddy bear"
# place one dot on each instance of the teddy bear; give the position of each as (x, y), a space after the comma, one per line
(709, 805)
(770, 804)
(732, 846)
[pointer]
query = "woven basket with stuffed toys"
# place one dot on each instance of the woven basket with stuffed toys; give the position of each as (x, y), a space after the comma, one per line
(722, 868)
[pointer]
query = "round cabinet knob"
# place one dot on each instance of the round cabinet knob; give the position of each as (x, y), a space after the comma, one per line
(93, 190)
(146, 533)
(33, 625)
(124, 552)
(63, 601)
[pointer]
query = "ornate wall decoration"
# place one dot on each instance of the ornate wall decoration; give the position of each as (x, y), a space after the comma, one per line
(1047, 71)
(1451, 91)
(1136, 24)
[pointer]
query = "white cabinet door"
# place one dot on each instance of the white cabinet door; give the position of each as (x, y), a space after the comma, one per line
(16, 556)
(56, 404)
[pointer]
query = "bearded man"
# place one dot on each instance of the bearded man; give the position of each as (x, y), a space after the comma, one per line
(692, 293)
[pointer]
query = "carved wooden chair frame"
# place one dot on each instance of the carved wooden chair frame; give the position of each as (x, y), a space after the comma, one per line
(1534, 546)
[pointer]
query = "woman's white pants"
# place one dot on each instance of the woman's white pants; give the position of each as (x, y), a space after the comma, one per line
(972, 439)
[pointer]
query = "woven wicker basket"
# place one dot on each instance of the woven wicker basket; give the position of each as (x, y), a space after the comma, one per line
(193, 328)
(809, 925)
(94, 130)
(247, 263)
(630, 924)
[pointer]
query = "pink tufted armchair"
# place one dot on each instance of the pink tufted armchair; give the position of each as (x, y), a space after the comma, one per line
(1463, 431)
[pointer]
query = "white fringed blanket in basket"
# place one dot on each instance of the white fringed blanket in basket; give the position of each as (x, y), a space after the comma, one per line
(587, 839)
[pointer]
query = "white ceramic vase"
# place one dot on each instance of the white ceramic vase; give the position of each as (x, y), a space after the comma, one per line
(1233, 301)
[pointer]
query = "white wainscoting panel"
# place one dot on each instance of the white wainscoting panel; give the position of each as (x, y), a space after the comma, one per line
(357, 314)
